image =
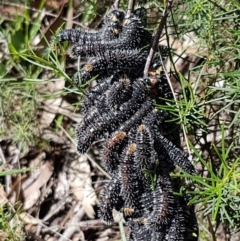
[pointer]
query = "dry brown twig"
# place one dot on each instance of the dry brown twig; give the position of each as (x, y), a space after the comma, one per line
(157, 36)
(175, 99)
(115, 4)
(131, 5)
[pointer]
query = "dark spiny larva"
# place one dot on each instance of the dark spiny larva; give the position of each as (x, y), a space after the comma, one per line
(177, 229)
(136, 119)
(77, 35)
(119, 93)
(145, 154)
(112, 25)
(134, 35)
(129, 62)
(110, 152)
(87, 135)
(163, 203)
(95, 93)
(130, 183)
(159, 88)
(177, 156)
(110, 199)
(129, 42)
(112, 28)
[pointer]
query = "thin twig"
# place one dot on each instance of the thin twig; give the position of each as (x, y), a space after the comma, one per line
(121, 229)
(98, 167)
(2, 157)
(157, 36)
(115, 5)
(211, 228)
(71, 228)
(131, 5)
(90, 224)
(175, 99)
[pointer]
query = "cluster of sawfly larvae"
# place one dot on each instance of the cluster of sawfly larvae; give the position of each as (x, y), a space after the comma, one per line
(141, 144)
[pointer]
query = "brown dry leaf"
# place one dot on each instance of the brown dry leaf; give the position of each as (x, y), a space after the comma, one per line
(51, 107)
(37, 161)
(89, 200)
(32, 193)
(81, 184)
(31, 199)
(62, 187)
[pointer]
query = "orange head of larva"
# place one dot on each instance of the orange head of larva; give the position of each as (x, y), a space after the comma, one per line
(128, 211)
(142, 128)
(131, 148)
(116, 31)
(153, 81)
(88, 67)
(126, 22)
(121, 135)
(114, 18)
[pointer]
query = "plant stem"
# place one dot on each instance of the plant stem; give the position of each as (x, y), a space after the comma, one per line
(157, 36)
(131, 5)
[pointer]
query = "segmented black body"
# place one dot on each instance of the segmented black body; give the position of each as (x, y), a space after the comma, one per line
(142, 144)
(130, 180)
(129, 62)
(145, 153)
(110, 152)
(163, 204)
(96, 92)
(134, 35)
(118, 33)
(177, 229)
(119, 93)
(136, 119)
(77, 35)
(177, 156)
(111, 28)
(112, 25)
(110, 199)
